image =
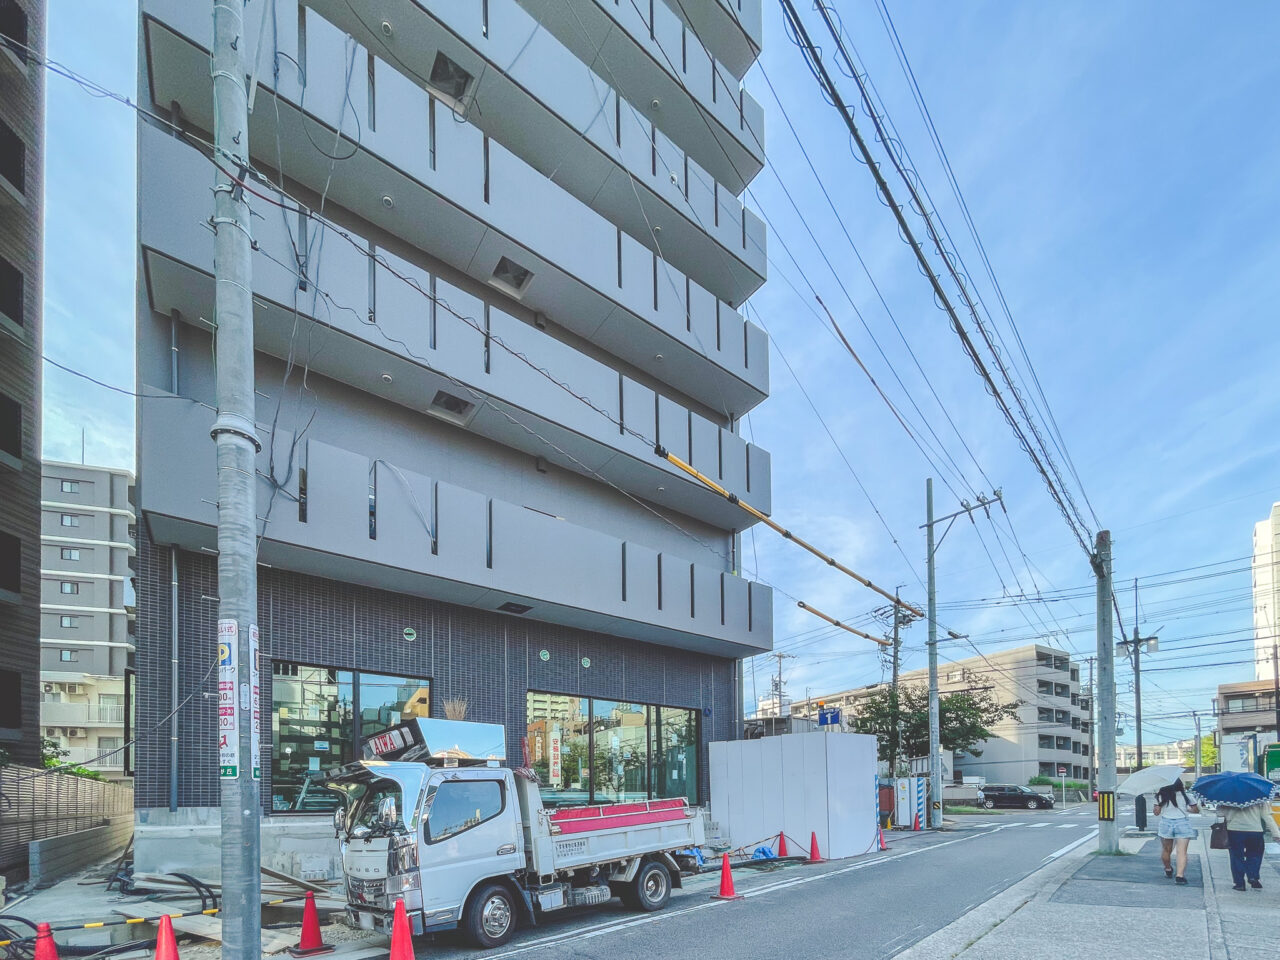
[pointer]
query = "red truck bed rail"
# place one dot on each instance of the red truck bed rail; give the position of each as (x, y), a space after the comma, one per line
(609, 815)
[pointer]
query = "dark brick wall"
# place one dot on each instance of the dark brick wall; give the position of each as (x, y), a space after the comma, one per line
(490, 659)
(22, 108)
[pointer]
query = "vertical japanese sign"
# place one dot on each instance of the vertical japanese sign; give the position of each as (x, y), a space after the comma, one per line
(555, 775)
(228, 714)
(255, 702)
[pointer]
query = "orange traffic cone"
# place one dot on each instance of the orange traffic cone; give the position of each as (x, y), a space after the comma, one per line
(401, 935)
(166, 942)
(726, 884)
(46, 949)
(782, 844)
(814, 855)
(310, 943)
(883, 845)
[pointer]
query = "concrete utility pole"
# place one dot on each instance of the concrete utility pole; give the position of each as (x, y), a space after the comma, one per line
(1275, 683)
(1105, 692)
(777, 683)
(935, 726)
(896, 738)
(935, 723)
(237, 447)
(1196, 717)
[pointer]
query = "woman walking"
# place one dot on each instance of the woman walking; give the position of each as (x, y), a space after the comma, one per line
(1174, 808)
(1246, 833)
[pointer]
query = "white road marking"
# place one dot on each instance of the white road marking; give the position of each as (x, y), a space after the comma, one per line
(1071, 846)
(1033, 825)
(588, 933)
(1067, 826)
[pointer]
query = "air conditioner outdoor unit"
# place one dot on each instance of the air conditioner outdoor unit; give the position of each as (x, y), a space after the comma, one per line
(48, 688)
(75, 732)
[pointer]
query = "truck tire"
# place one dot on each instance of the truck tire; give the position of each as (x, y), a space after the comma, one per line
(651, 888)
(490, 918)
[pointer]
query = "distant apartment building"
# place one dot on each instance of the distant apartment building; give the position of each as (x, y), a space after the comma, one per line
(477, 334)
(86, 612)
(1178, 751)
(1246, 715)
(1266, 594)
(1052, 730)
(21, 254)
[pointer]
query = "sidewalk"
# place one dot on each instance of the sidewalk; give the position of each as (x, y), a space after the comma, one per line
(1090, 907)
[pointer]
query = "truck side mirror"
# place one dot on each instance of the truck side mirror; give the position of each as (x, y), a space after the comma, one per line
(339, 820)
(387, 813)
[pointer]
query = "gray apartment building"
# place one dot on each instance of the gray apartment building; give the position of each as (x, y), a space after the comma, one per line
(86, 612)
(508, 266)
(21, 254)
(1052, 730)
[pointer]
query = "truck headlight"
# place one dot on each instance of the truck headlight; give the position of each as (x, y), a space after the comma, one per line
(404, 883)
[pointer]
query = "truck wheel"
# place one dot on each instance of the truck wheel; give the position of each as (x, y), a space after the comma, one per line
(651, 888)
(490, 920)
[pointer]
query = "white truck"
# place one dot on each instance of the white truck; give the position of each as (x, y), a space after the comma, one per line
(429, 817)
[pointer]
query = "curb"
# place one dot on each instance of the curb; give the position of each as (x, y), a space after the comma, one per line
(1212, 915)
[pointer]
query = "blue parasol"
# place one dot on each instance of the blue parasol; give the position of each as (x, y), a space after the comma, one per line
(1233, 789)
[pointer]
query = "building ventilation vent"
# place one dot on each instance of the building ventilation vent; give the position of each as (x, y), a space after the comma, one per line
(511, 277)
(512, 607)
(449, 78)
(451, 407)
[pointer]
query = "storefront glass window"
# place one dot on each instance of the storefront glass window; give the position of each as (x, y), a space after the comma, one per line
(609, 751)
(620, 761)
(318, 717)
(559, 747)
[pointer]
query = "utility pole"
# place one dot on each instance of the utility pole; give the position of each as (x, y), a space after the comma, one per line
(777, 683)
(1196, 717)
(1137, 679)
(896, 736)
(935, 731)
(237, 446)
(935, 724)
(1275, 683)
(1105, 693)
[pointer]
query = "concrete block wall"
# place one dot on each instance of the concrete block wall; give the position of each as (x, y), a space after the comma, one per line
(54, 858)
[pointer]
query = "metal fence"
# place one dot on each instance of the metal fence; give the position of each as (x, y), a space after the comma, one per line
(35, 804)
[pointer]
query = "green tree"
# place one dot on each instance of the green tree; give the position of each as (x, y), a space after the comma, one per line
(965, 718)
(1208, 755)
(53, 756)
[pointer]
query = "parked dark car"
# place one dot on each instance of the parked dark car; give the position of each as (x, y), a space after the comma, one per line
(1008, 795)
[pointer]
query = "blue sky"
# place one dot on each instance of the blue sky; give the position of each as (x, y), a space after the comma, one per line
(1120, 166)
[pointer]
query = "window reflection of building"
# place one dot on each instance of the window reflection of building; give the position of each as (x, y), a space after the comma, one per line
(605, 751)
(318, 716)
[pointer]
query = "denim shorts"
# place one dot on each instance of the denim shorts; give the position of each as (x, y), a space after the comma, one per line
(1180, 829)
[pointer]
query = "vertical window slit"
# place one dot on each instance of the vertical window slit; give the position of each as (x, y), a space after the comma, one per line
(653, 150)
(486, 169)
(487, 338)
(750, 611)
(720, 454)
(431, 285)
(693, 610)
(657, 419)
(655, 281)
(624, 571)
(746, 347)
(431, 129)
(435, 518)
(619, 258)
(373, 501)
(715, 201)
(372, 102)
(689, 428)
(748, 468)
(688, 309)
(622, 408)
(722, 599)
(659, 581)
(484, 19)
(488, 538)
(617, 117)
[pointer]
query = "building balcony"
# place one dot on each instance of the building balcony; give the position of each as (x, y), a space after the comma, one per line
(383, 525)
(80, 715)
(83, 756)
(446, 188)
(657, 63)
(732, 30)
(525, 89)
(414, 355)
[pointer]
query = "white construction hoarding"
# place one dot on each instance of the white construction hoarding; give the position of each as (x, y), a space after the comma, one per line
(801, 783)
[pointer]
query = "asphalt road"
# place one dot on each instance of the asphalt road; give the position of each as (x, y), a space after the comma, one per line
(867, 907)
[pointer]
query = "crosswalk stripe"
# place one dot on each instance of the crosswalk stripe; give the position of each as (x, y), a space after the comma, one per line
(1067, 826)
(1038, 824)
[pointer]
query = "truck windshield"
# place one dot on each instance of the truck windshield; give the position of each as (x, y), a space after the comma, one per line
(363, 801)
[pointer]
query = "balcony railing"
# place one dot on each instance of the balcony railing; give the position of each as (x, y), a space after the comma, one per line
(83, 755)
(62, 714)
